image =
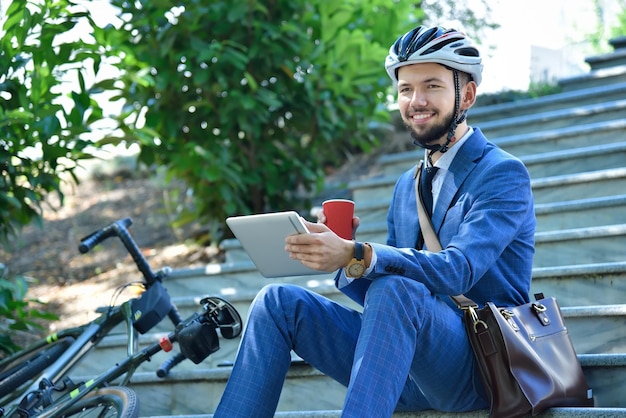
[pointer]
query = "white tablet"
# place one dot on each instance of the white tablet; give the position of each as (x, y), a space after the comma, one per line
(263, 238)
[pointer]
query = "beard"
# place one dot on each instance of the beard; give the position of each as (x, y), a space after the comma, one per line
(432, 134)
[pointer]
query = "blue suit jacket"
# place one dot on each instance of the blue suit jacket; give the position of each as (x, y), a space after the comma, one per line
(485, 220)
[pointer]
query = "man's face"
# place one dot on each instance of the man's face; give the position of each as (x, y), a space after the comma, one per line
(426, 101)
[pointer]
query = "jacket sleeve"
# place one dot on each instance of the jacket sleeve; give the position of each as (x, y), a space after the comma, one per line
(489, 228)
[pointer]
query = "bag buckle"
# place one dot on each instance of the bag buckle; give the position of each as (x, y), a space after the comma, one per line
(508, 315)
(476, 321)
(540, 311)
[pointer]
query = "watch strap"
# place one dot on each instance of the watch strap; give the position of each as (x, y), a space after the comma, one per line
(359, 250)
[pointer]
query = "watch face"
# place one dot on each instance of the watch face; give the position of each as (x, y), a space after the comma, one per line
(356, 270)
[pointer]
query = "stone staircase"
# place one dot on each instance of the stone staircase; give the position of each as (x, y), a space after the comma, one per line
(574, 145)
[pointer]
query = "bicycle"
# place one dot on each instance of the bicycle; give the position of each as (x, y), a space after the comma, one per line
(35, 382)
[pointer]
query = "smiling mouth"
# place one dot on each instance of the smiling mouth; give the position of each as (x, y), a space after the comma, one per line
(418, 117)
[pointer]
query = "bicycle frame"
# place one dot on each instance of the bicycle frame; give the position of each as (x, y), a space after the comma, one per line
(86, 337)
(217, 313)
(126, 367)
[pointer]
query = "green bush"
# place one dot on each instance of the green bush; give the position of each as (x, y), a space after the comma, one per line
(245, 102)
(250, 102)
(43, 127)
(20, 316)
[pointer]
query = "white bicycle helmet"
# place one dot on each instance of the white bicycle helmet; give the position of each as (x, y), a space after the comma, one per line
(448, 47)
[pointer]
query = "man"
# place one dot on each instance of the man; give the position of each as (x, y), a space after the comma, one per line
(408, 349)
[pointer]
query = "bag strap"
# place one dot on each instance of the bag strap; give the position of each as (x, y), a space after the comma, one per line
(430, 238)
(426, 225)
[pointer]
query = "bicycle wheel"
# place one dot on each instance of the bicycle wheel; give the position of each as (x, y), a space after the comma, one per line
(109, 402)
(29, 365)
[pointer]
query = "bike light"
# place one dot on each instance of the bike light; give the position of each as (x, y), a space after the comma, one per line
(166, 344)
(198, 341)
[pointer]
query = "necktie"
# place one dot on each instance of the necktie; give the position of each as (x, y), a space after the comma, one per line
(426, 187)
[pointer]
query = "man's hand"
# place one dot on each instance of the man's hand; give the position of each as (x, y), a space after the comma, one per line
(322, 249)
(321, 218)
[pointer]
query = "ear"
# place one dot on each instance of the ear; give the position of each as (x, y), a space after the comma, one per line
(468, 95)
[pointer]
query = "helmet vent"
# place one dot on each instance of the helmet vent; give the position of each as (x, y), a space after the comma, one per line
(468, 52)
(439, 46)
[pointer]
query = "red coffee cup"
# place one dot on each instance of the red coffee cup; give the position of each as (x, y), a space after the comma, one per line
(339, 214)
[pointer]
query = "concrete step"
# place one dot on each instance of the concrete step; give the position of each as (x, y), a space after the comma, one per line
(593, 329)
(199, 391)
(581, 285)
(575, 115)
(571, 161)
(114, 347)
(612, 59)
(556, 119)
(551, 413)
(547, 158)
(574, 284)
(559, 101)
(548, 153)
(595, 211)
(588, 245)
(592, 184)
(568, 284)
(569, 137)
(597, 329)
(602, 78)
(578, 213)
(305, 389)
(598, 244)
(606, 61)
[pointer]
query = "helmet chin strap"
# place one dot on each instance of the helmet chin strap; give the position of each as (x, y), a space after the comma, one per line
(459, 117)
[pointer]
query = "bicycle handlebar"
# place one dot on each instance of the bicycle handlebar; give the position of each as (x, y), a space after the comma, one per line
(214, 306)
(169, 364)
(120, 229)
(90, 241)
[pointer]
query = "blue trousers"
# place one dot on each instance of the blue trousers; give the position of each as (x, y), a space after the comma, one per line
(407, 351)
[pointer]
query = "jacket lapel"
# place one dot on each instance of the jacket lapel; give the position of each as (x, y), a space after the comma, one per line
(463, 164)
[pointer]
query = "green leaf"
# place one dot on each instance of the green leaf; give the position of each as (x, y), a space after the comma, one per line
(15, 116)
(251, 81)
(16, 13)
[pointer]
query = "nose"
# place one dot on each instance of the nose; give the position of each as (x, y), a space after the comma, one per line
(418, 99)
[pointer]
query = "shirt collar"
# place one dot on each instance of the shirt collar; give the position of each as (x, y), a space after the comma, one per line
(447, 157)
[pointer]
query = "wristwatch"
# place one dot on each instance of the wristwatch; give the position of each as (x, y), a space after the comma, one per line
(356, 267)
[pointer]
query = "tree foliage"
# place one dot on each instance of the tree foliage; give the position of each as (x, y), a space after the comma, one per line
(42, 127)
(247, 102)
(619, 29)
(19, 315)
(609, 18)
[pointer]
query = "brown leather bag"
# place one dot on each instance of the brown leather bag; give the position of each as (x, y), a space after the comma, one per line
(526, 358)
(524, 353)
